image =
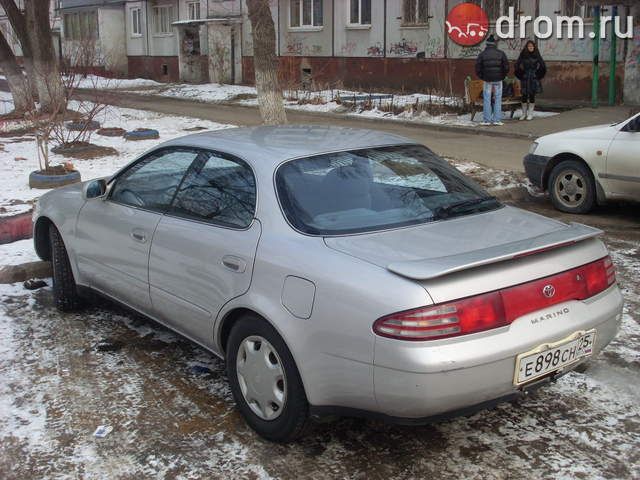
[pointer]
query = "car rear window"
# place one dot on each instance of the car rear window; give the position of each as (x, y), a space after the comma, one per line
(374, 189)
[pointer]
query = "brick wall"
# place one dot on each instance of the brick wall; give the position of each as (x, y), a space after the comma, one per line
(565, 80)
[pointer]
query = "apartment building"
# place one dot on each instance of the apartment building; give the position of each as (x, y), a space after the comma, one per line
(381, 44)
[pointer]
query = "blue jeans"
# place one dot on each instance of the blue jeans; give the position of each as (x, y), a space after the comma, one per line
(492, 115)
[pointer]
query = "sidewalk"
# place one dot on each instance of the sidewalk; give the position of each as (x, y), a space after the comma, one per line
(580, 117)
(575, 118)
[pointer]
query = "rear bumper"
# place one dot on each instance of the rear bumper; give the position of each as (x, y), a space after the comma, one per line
(414, 381)
(535, 166)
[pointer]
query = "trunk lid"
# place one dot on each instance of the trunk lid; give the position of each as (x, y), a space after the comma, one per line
(440, 248)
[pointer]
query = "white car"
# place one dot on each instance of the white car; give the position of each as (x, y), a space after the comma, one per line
(588, 166)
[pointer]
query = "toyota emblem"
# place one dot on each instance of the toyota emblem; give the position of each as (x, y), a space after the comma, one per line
(549, 291)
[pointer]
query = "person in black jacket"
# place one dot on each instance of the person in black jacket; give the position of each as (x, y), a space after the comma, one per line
(492, 67)
(530, 70)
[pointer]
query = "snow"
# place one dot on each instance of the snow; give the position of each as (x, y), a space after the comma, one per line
(172, 415)
(101, 83)
(19, 157)
(210, 92)
(325, 101)
(18, 252)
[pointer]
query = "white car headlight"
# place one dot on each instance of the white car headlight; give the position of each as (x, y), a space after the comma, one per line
(533, 147)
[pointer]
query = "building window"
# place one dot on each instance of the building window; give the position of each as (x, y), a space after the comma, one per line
(497, 8)
(577, 8)
(305, 13)
(360, 12)
(81, 25)
(415, 12)
(136, 22)
(193, 10)
(162, 19)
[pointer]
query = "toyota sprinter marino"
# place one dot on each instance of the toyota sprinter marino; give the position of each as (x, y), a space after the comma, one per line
(337, 271)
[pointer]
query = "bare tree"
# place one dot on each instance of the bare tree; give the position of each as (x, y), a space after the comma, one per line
(19, 25)
(70, 120)
(45, 63)
(18, 84)
(265, 63)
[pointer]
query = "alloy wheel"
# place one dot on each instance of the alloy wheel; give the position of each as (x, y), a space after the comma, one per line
(570, 188)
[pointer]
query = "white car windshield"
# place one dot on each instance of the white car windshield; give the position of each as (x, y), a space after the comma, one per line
(375, 189)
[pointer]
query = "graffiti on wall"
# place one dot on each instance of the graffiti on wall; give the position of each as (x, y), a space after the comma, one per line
(633, 55)
(404, 48)
(434, 47)
(470, 52)
(349, 48)
(376, 50)
(297, 45)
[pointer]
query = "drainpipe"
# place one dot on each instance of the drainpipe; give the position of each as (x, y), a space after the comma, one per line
(596, 59)
(614, 59)
(146, 25)
(384, 31)
(446, 35)
(333, 28)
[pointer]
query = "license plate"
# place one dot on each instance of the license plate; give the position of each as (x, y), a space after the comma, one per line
(551, 357)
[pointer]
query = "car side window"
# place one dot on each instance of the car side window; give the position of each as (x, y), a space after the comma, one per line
(217, 189)
(634, 125)
(151, 183)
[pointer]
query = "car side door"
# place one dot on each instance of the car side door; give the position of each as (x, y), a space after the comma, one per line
(203, 250)
(623, 161)
(114, 232)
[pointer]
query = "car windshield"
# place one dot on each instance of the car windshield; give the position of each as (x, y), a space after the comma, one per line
(375, 189)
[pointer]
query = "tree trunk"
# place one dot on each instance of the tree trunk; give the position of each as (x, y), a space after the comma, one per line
(19, 25)
(18, 85)
(47, 74)
(265, 63)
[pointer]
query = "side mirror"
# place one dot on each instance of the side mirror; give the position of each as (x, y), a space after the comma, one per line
(95, 188)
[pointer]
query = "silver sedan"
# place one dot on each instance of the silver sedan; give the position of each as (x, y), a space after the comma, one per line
(337, 271)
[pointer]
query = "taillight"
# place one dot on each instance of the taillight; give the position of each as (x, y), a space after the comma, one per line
(498, 308)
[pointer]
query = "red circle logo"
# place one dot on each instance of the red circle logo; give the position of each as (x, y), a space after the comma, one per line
(467, 24)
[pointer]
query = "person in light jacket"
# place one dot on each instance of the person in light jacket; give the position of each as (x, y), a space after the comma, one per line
(492, 67)
(530, 70)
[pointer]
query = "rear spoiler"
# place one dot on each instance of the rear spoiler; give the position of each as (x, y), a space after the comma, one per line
(437, 267)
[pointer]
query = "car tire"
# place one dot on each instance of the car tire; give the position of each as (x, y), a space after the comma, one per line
(290, 418)
(572, 188)
(65, 291)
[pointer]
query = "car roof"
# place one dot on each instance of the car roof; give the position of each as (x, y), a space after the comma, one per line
(268, 146)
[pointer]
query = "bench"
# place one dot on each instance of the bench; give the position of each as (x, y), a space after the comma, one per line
(473, 97)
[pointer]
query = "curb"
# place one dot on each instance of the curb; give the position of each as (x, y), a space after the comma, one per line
(16, 227)
(25, 271)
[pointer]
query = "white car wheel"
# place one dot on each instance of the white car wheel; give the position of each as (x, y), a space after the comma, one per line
(261, 377)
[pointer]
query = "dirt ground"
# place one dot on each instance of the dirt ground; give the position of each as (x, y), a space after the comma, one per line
(172, 414)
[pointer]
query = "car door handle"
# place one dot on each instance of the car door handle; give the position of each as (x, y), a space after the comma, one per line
(233, 263)
(139, 235)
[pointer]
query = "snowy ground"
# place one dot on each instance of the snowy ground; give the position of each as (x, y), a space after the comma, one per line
(18, 153)
(325, 101)
(172, 414)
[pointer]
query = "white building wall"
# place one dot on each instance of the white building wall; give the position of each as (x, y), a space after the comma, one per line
(136, 43)
(305, 41)
(111, 27)
(408, 41)
(355, 41)
(162, 44)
